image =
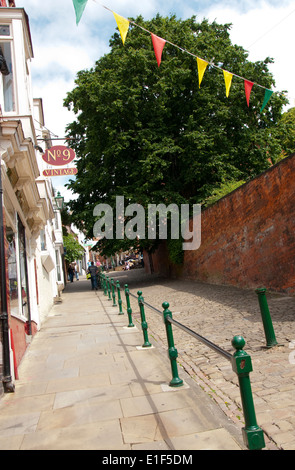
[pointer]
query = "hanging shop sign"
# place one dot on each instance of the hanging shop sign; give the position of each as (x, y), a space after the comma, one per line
(59, 155)
(60, 172)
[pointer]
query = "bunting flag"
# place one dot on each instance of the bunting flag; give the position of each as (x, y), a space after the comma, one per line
(79, 6)
(158, 44)
(123, 25)
(248, 88)
(228, 79)
(267, 96)
(202, 65)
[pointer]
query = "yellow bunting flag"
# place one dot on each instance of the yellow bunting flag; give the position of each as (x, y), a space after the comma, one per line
(227, 78)
(123, 25)
(202, 65)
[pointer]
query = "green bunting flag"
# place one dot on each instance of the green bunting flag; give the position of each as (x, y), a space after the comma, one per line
(79, 6)
(267, 96)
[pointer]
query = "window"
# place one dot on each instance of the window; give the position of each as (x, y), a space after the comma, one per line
(43, 240)
(6, 69)
(58, 272)
(56, 217)
(4, 30)
(7, 76)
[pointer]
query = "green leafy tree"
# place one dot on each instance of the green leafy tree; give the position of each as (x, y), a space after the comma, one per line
(150, 134)
(221, 191)
(285, 134)
(73, 248)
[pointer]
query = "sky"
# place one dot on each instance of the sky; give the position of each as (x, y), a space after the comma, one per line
(265, 28)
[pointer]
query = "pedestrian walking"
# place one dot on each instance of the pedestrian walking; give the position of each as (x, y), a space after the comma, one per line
(76, 272)
(71, 273)
(93, 271)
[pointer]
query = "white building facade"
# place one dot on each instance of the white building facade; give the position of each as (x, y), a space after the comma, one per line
(31, 221)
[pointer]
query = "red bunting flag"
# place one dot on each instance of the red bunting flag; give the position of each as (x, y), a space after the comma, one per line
(158, 44)
(248, 89)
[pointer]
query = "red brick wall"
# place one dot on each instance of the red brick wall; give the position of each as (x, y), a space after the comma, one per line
(248, 237)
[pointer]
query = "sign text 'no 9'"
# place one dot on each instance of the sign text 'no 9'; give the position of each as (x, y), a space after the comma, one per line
(58, 155)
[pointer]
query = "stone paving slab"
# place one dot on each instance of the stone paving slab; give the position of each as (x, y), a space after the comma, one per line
(85, 383)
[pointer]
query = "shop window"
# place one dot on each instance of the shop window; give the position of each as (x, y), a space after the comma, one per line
(24, 286)
(12, 271)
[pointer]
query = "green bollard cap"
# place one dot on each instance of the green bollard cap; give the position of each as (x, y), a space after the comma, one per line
(261, 290)
(238, 342)
(241, 361)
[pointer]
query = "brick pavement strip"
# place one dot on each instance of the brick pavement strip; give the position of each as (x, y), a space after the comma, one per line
(218, 313)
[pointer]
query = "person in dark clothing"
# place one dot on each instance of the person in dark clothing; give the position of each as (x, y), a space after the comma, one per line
(93, 270)
(71, 272)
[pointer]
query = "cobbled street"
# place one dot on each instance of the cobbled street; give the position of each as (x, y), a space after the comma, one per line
(218, 313)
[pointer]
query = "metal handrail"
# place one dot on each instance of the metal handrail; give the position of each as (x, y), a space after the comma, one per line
(205, 341)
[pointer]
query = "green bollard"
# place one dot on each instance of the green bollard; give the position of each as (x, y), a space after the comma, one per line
(104, 284)
(129, 310)
(119, 298)
(108, 287)
(144, 324)
(266, 318)
(100, 280)
(242, 365)
(113, 292)
(172, 351)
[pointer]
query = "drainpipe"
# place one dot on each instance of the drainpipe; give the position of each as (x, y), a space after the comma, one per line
(8, 385)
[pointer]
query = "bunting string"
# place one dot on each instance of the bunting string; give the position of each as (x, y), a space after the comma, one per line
(123, 25)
